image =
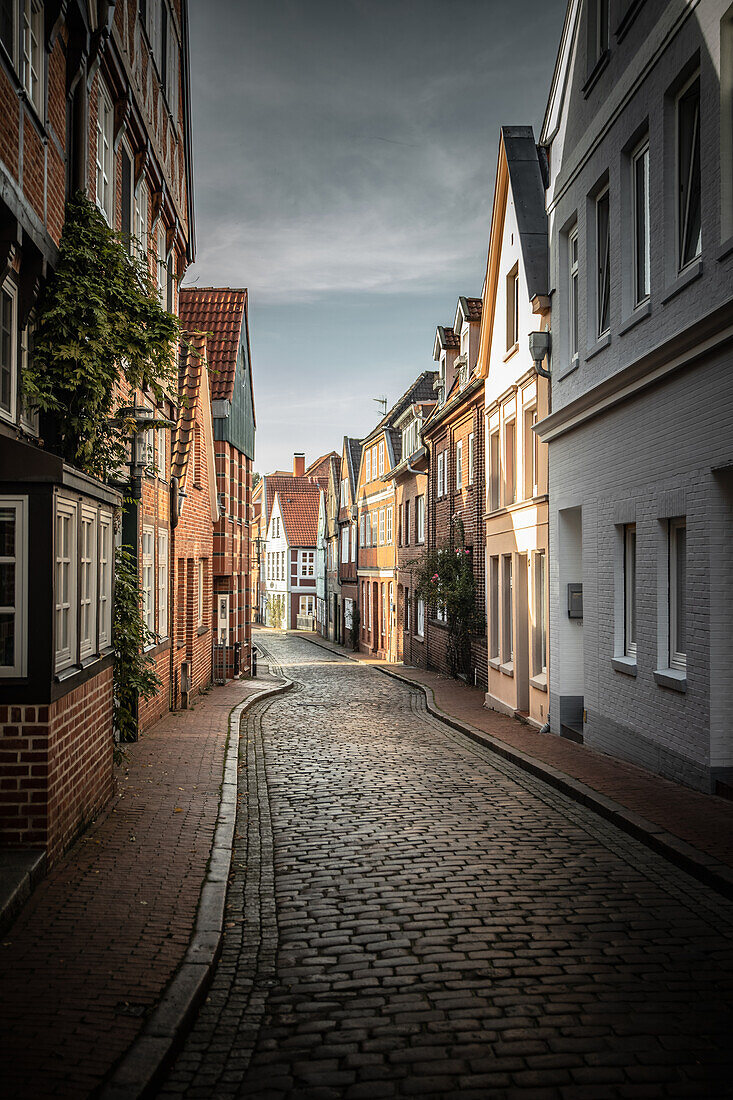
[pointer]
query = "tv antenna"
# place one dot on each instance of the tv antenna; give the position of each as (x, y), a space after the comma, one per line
(382, 402)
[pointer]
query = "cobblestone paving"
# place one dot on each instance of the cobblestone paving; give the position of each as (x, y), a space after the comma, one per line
(410, 915)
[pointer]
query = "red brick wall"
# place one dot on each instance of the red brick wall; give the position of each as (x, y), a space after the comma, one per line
(56, 766)
(231, 548)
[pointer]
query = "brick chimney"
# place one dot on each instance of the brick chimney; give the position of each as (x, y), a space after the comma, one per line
(298, 464)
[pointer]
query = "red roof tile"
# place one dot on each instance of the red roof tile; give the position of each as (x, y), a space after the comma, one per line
(300, 514)
(191, 364)
(218, 312)
(289, 486)
(320, 467)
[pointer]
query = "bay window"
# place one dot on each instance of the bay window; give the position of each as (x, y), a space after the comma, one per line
(88, 582)
(8, 352)
(148, 590)
(105, 579)
(13, 585)
(65, 552)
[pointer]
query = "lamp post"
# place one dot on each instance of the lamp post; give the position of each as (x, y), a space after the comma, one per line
(259, 542)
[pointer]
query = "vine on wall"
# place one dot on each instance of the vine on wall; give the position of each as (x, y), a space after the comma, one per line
(134, 670)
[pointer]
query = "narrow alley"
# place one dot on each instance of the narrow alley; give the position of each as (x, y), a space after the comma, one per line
(409, 914)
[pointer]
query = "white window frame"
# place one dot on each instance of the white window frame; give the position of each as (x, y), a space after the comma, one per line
(368, 465)
(306, 605)
(677, 658)
(390, 524)
(630, 590)
(494, 599)
(381, 526)
(367, 529)
(162, 456)
(106, 578)
(531, 455)
(147, 577)
(161, 263)
(471, 456)
(200, 594)
(441, 461)
(162, 583)
(105, 162)
(361, 529)
(406, 523)
(88, 564)
(420, 623)
(540, 614)
(19, 608)
(495, 476)
(68, 511)
(344, 545)
(641, 248)
(140, 217)
(420, 505)
(459, 464)
(512, 308)
(28, 420)
(510, 485)
(306, 563)
(32, 50)
(353, 541)
(10, 291)
(507, 610)
(381, 457)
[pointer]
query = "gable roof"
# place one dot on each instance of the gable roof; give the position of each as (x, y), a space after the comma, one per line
(299, 511)
(321, 466)
(560, 73)
(193, 388)
(352, 451)
(518, 170)
(420, 390)
(289, 486)
(219, 313)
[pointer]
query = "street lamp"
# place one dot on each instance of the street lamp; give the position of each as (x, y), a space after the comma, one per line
(260, 543)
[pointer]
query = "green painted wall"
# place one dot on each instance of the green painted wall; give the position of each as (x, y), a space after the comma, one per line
(239, 427)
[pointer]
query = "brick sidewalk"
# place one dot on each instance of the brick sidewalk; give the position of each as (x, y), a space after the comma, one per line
(102, 935)
(701, 820)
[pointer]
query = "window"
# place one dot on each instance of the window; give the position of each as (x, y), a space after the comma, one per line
(406, 614)
(8, 352)
(494, 607)
(140, 220)
(384, 608)
(689, 233)
(459, 464)
(88, 583)
(162, 463)
(344, 490)
(13, 585)
(148, 590)
(409, 439)
(531, 444)
(368, 466)
(353, 541)
(307, 563)
(420, 618)
(640, 214)
(510, 451)
(374, 461)
(381, 457)
(162, 584)
(306, 605)
(440, 474)
(598, 30)
(678, 594)
(381, 526)
(406, 524)
(33, 52)
(630, 590)
(368, 529)
(512, 308)
(105, 166)
(65, 583)
(344, 544)
(507, 631)
(28, 417)
(470, 458)
(361, 529)
(420, 510)
(105, 579)
(441, 614)
(276, 527)
(161, 263)
(7, 28)
(494, 470)
(388, 535)
(172, 75)
(573, 291)
(540, 619)
(200, 595)
(603, 263)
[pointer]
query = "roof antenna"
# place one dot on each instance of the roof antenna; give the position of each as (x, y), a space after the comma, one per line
(382, 402)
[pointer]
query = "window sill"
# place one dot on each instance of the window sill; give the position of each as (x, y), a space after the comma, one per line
(629, 16)
(688, 275)
(595, 73)
(510, 352)
(725, 249)
(673, 678)
(601, 343)
(539, 682)
(641, 311)
(495, 663)
(508, 669)
(202, 630)
(572, 365)
(626, 665)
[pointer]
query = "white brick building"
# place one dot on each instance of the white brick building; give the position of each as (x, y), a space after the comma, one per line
(640, 202)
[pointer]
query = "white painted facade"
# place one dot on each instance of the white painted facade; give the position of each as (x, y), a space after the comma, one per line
(641, 430)
(277, 571)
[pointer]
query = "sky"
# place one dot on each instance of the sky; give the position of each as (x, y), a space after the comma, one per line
(344, 161)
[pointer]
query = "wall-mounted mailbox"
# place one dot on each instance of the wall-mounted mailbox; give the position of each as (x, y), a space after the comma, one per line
(575, 601)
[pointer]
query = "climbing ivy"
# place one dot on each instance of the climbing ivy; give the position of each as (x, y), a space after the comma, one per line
(99, 325)
(134, 669)
(444, 578)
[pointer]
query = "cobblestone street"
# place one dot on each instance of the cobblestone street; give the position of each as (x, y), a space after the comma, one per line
(409, 914)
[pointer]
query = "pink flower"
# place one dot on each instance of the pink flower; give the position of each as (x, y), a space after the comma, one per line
(434, 577)
(465, 551)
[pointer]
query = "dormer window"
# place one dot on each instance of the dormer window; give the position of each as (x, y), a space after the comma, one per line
(410, 439)
(465, 334)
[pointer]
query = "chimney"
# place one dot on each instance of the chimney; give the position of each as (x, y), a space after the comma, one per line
(298, 464)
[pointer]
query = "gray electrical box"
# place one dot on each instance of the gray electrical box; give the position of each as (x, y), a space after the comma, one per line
(575, 601)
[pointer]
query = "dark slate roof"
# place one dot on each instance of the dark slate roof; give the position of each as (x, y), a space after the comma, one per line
(447, 337)
(525, 180)
(353, 458)
(420, 390)
(472, 308)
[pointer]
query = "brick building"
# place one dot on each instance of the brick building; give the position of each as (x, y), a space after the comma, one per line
(410, 476)
(333, 598)
(376, 499)
(221, 313)
(454, 436)
(348, 518)
(92, 101)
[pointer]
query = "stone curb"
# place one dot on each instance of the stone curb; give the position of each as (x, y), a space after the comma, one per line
(142, 1066)
(704, 868)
